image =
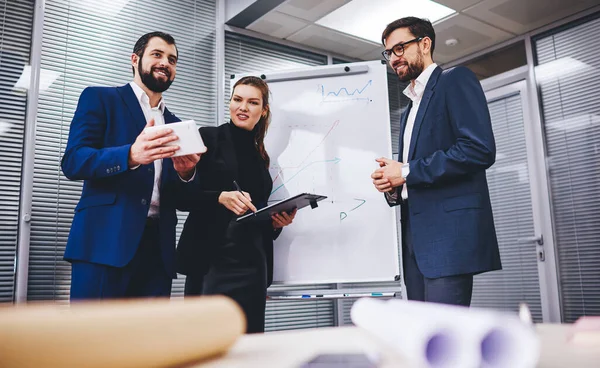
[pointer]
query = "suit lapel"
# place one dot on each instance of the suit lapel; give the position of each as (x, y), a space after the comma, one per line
(169, 117)
(429, 91)
(133, 105)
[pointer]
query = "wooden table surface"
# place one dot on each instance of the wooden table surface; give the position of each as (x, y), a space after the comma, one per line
(292, 348)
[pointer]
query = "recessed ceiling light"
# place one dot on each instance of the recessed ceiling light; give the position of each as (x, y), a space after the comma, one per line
(367, 18)
(451, 42)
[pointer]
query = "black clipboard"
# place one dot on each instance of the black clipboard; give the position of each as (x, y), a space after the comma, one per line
(286, 205)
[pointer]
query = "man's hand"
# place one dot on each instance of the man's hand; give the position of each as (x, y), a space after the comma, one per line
(283, 219)
(185, 165)
(388, 176)
(149, 147)
(237, 202)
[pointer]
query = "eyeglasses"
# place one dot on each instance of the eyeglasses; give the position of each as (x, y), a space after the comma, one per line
(398, 49)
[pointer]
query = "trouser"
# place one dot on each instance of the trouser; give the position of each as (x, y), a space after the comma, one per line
(456, 290)
(143, 276)
(238, 270)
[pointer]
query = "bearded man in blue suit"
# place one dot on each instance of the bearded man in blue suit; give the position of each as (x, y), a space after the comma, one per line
(122, 240)
(446, 144)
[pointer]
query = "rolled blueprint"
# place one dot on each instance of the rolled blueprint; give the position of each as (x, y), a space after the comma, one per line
(440, 336)
(118, 334)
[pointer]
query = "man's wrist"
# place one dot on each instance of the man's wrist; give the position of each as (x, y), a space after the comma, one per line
(130, 161)
(405, 170)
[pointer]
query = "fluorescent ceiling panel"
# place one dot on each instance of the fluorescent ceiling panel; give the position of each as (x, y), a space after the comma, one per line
(367, 18)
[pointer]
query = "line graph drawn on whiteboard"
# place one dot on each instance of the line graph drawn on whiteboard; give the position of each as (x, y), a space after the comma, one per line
(342, 94)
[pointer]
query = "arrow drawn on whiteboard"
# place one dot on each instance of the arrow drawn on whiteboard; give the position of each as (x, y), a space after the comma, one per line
(334, 161)
(362, 201)
(343, 215)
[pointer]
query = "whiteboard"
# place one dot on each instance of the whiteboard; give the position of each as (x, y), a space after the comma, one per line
(328, 126)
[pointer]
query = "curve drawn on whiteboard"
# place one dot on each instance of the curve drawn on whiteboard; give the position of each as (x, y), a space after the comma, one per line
(334, 161)
(333, 126)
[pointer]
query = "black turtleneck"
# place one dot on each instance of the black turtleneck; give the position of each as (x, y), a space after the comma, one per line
(250, 165)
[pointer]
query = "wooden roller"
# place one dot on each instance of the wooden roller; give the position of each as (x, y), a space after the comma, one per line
(119, 334)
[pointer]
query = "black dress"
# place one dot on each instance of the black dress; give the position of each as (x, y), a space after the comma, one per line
(224, 256)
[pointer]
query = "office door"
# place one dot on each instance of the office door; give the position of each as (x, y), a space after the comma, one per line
(513, 184)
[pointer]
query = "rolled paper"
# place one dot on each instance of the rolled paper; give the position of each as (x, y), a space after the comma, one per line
(440, 336)
(119, 334)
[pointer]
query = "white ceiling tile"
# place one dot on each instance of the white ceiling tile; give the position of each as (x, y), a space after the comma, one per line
(278, 25)
(329, 40)
(458, 5)
(520, 16)
(311, 10)
(472, 36)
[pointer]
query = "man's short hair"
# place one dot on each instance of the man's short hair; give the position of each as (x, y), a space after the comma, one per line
(417, 26)
(142, 43)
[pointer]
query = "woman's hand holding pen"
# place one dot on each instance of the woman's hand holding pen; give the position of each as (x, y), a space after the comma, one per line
(283, 219)
(237, 202)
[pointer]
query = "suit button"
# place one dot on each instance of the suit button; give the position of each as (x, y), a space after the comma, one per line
(150, 169)
(144, 202)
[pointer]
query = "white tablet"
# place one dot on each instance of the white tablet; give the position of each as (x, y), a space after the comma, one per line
(189, 141)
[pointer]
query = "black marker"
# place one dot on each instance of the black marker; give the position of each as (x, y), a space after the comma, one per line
(237, 187)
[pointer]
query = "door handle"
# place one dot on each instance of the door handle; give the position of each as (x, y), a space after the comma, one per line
(539, 240)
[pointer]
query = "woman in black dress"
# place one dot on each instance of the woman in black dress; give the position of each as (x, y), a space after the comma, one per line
(218, 254)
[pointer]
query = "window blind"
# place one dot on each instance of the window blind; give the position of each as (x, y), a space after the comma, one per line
(16, 21)
(567, 68)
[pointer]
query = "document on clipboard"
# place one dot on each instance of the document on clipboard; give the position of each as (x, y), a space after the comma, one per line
(189, 141)
(287, 205)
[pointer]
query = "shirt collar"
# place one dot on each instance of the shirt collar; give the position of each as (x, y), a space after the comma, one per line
(416, 92)
(143, 97)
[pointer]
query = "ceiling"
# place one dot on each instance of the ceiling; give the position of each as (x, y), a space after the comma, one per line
(477, 24)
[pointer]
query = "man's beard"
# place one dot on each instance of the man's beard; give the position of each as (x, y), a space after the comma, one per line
(413, 70)
(154, 84)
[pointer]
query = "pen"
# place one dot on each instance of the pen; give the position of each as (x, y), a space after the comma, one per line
(237, 187)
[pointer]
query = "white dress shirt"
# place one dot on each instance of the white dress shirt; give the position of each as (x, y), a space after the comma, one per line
(415, 93)
(156, 113)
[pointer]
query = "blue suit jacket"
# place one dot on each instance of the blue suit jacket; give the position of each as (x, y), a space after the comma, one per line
(452, 145)
(111, 214)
